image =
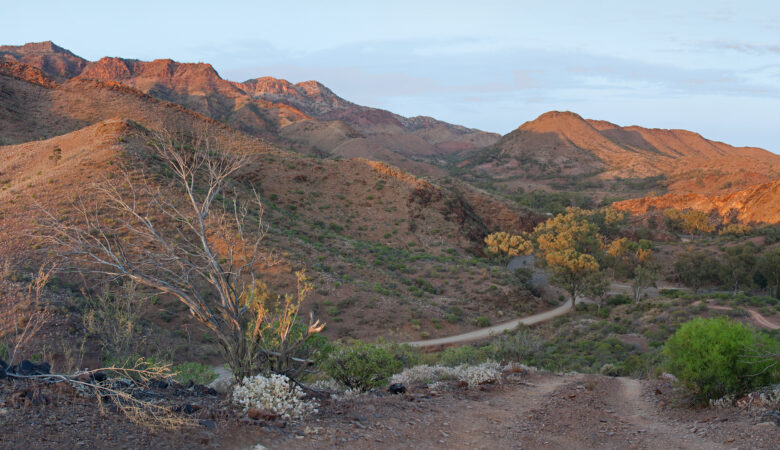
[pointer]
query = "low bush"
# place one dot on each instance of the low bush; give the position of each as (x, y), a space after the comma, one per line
(275, 394)
(610, 370)
(473, 375)
(619, 299)
(709, 357)
(194, 371)
(465, 354)
(520, 345)
(482, 322)
(360, 365)
(405, 354)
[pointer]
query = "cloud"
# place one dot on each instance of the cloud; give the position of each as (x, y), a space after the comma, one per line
(743, 47)
(496, 88)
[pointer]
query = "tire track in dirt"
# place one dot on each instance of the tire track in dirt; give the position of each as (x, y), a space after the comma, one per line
(656, 434)
(758, 318)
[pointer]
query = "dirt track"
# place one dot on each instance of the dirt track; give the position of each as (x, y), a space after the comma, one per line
(533, 412)
(615, 288)
(495, 329)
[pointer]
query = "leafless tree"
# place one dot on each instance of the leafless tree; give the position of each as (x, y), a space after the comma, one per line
(25, 314)
(175, 230)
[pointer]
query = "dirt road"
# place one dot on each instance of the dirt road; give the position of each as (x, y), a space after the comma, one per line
(495, 329)
(615, 288)
(756, 317)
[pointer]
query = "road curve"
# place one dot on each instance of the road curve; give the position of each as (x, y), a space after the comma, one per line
(495, 329)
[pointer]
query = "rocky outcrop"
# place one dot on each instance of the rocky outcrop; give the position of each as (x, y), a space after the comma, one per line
(27, 73)
(56, 62)
(758, 204)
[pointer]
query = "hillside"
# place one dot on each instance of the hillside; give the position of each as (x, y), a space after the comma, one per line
(758, 204)
(564, 145)
(377, 241)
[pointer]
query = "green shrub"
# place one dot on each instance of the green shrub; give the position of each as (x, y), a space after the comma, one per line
(670, 293)
(521, 345)
(482, 322)
(708, 356)
(194, 371)
(405, 354)
(466, 354)
(610, 370)
(360, 365)
(619, 299)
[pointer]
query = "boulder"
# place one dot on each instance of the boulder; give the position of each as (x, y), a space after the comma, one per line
(261, 414)
(28, 368)
(224, 382)
(397, 388)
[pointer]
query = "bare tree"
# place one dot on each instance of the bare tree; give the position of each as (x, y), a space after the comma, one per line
(24, 315)
(176, 232)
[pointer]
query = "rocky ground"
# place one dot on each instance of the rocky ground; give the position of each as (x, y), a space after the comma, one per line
(524, 411)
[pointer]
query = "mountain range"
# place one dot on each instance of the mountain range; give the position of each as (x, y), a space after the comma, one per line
(307, 116)
(48, 91)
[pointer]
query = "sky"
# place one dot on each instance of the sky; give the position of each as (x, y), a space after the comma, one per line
(708, 66)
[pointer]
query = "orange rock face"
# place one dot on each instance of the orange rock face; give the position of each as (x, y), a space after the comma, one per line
(758, 204)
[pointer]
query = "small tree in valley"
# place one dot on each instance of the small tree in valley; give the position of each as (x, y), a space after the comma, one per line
(503, 244)
(769, 267)
(568, 243)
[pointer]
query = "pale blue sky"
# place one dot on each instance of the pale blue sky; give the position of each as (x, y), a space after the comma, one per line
(711, 67)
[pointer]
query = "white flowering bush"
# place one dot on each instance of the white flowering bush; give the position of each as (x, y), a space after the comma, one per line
(327, 384)
(275, 394)
(767, 398)
(348, 395)
(339, 391)
(489, 372)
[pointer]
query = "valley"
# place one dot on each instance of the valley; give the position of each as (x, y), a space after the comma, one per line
(131, 193)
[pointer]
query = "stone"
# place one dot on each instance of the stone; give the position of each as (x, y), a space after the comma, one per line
(397, 388)
(28, 368)
(261, 414)
(98, 377)
(223, 384)
(205, 390)
(159, 384)
(208, 424)
(187, 408)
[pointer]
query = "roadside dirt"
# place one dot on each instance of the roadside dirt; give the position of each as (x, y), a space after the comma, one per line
(529, 411)
(536, 411)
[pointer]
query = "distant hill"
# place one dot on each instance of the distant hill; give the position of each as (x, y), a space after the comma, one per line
(564, 144)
